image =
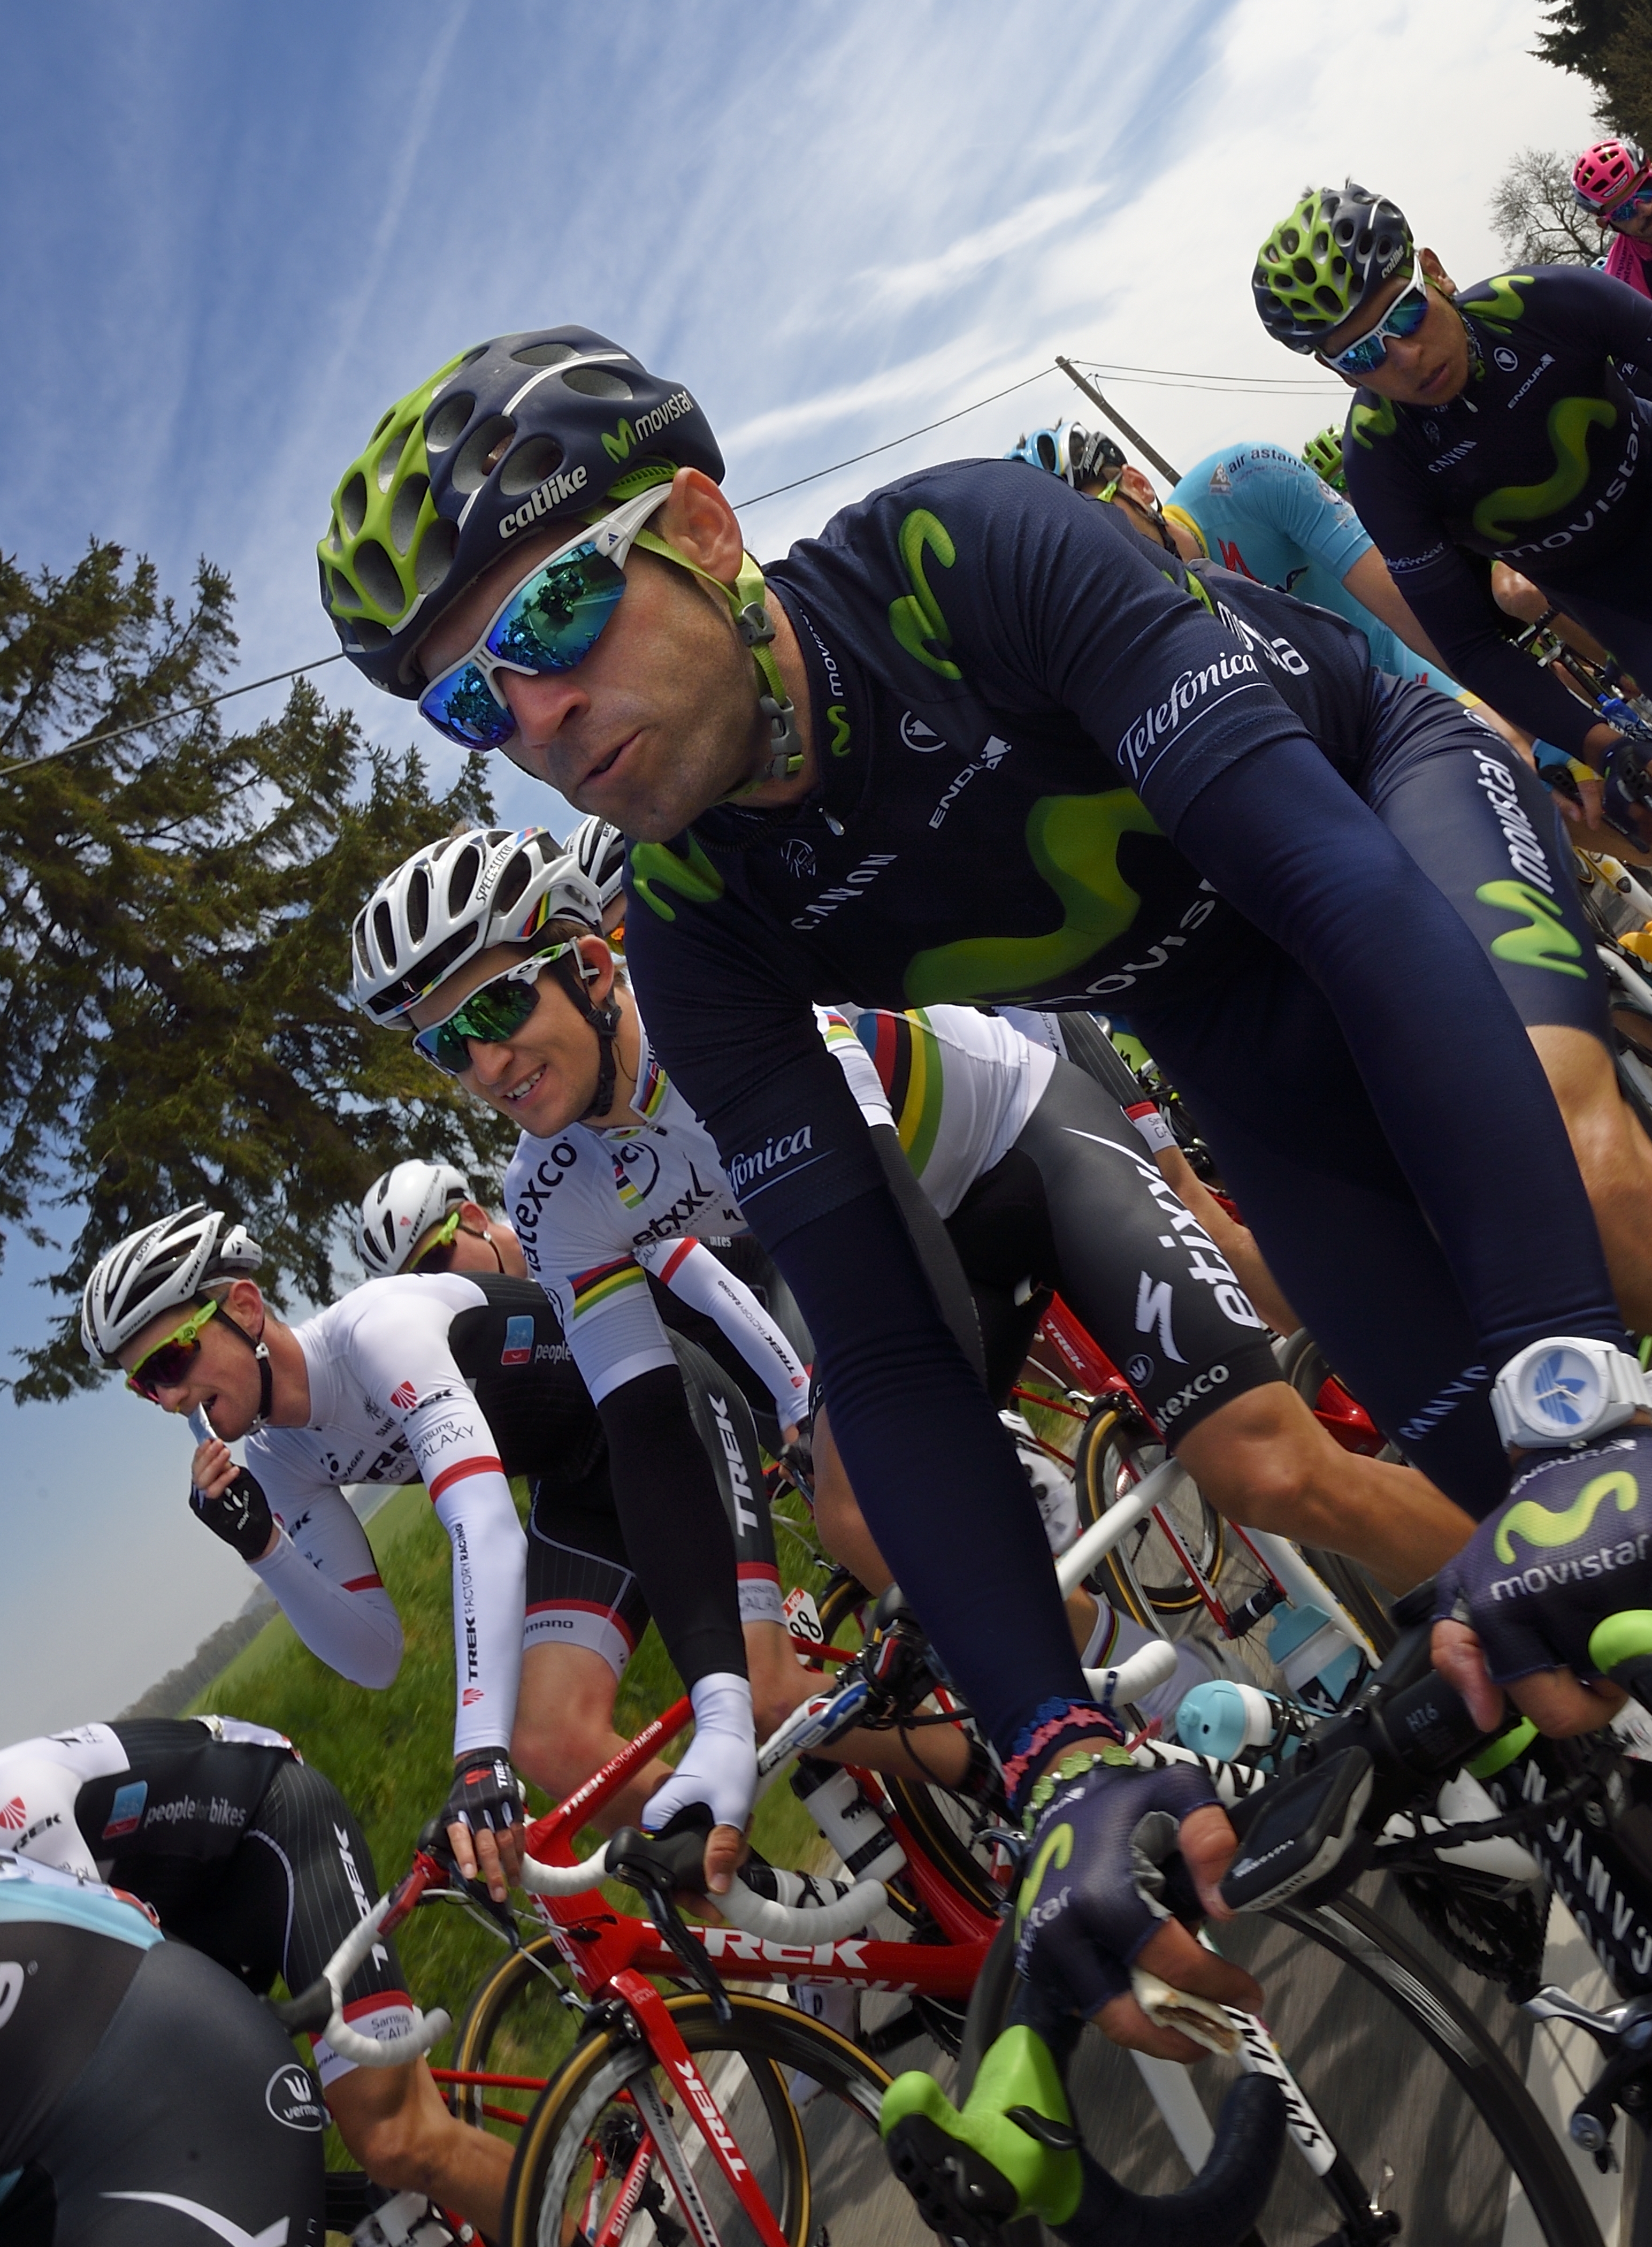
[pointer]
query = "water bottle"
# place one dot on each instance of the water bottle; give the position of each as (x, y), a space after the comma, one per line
(1228, 1721)
(841, 1807)
(1318, 1663)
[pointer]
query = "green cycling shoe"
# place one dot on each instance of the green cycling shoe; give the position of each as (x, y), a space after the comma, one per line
(1012, 2150)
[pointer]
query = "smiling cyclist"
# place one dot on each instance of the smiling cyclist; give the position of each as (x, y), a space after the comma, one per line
(1087, 765)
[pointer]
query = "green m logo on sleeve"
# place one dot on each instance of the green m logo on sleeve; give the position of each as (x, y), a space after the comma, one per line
(917, 619)
(1543, 939)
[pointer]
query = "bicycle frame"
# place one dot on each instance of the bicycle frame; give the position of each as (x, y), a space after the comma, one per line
(597, 1944)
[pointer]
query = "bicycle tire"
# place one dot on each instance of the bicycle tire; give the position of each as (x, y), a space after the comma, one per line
(935, 1820)
(764, 2040)
(514, 2024)
(1359, 1940)
(1143, 1575)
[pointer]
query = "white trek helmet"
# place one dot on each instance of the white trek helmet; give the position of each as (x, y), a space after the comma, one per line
(399, 1208)
(164, 1267)
(481, 886)
(599, 852)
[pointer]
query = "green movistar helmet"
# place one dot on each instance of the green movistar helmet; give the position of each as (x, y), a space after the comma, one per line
(1324, 455)
(555, 425)
(1322, 261)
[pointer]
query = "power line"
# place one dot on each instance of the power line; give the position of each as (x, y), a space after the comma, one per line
(798, 481)
(161, 717)
(1157, 378)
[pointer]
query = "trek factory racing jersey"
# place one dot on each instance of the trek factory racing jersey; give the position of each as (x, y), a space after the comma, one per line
(457, 1381)
(1543, 461)
(1261, 511)
(955, 1085)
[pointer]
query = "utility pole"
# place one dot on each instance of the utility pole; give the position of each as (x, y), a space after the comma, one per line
(1117, 419)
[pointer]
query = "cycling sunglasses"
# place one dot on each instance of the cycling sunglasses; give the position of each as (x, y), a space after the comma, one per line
(1403, 317)
(495, 1010)
(1633, 205)
(439, 1256)
(549, 622)
(169, 1361)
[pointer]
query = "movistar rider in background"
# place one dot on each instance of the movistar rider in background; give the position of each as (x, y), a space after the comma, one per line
(1495, 423)
(1075, 755)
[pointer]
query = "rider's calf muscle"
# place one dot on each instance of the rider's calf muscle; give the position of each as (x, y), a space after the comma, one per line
(1265, 1462)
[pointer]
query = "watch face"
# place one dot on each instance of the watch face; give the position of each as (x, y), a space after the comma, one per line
(1561, 1391)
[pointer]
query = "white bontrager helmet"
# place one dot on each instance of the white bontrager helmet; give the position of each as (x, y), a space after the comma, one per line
(599, 852)
(162, 1268)
(482, 887)
(399, 1208)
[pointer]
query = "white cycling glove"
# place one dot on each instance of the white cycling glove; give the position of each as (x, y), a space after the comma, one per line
(721, 1766)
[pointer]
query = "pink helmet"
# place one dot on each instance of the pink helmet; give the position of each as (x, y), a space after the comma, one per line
(1605, 174)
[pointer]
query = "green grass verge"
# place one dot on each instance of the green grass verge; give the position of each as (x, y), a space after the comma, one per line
(390, 1753)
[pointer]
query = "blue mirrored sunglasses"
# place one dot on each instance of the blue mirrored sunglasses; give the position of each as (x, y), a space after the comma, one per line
(1403, 318)
(549, 622)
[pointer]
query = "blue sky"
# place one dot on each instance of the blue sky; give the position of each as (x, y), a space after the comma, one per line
(234, 235)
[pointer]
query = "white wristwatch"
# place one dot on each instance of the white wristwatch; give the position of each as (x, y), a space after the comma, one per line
(1565, 1389)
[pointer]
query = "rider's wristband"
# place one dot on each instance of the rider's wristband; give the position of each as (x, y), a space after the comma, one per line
(1057, 1729)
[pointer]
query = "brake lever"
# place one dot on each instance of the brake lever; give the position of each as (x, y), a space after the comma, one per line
(434, 1846)
(655, 1863)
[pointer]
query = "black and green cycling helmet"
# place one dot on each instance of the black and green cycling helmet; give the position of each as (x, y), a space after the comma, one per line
(1324, 259)
(1323, 454)
(556, 425)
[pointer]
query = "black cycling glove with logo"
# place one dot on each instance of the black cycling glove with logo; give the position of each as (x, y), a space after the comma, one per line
(241, 1516)
(486, 1794)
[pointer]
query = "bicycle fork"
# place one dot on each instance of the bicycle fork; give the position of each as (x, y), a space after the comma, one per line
(660, 2032)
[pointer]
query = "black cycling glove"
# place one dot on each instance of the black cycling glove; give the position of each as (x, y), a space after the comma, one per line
(486, 1794)
(241, 1516)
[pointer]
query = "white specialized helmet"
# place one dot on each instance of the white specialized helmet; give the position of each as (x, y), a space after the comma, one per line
(599, 852)
(166, 1265)
(399, 1208)
(481, 886)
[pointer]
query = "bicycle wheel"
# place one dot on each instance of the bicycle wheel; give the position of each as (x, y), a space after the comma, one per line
(1418, 2111)
(1144, 1573)
(599, 2133)
(514, 2025)
(943, 1826)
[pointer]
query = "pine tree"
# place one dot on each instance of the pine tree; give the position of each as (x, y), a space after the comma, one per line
(175, 904)
(1609, 43)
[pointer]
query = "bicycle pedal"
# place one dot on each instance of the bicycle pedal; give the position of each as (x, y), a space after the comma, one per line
(956, 2190)
(1059, 2135)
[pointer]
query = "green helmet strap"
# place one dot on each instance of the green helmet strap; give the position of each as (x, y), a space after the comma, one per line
(751, 621)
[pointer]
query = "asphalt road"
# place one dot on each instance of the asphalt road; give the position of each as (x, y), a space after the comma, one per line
(1391, 2105)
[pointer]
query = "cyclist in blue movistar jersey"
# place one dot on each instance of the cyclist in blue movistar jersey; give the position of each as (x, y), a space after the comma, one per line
(1485, 832)
(1496, 421)
(1092, 766)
